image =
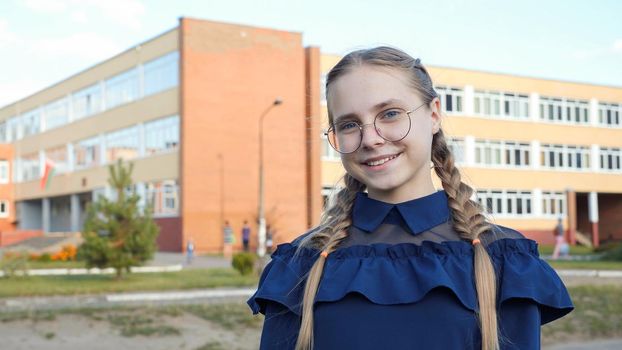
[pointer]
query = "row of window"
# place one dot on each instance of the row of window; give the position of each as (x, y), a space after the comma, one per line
(136, 141)
(552, 156)
(517, 106)
(563, 110)
(507, 203)
(518, 155)
(149, 78)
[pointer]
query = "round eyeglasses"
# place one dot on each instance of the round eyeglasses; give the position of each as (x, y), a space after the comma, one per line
(392, 125)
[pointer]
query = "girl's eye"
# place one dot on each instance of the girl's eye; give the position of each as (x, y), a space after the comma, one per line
(346, 126)
(391, 114)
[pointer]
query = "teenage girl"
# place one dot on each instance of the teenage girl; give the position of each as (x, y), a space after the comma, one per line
(394, 263)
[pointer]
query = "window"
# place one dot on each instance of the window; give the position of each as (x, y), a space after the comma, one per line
(30, 167)
(456, 146)
(56, 114)
(58, 156)
(161, 73)
(87, 101)
(161, 135)
(163, 197)
(502, 153)
(515, 106)
(122, 88)
(3, 132)
(553, 204)
(565, 157)
(4, 208)
(610, 159)
(506, 203)
(487, 103)
(122, 144)
(31, 122)
(328, 152)
(87, 153)
(13, 129)
(610, 114)
(564, 110)
(451, 98)
(4, 171)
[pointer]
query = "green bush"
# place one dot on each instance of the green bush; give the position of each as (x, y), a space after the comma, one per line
(613, 252)
(244, 262)
(45, 257)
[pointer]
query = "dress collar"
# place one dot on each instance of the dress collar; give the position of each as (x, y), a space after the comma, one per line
(419, 214)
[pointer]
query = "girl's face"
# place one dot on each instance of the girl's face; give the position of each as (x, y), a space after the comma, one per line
(361, 95)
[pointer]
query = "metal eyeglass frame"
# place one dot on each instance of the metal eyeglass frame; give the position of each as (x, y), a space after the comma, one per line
(332, 128)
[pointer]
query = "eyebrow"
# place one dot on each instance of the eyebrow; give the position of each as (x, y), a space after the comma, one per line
(376, 107)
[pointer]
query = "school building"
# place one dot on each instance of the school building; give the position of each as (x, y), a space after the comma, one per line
(193, 107)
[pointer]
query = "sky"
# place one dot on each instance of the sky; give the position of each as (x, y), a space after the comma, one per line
(45, 41)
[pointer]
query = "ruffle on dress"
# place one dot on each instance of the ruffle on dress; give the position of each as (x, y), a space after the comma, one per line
(404, 273)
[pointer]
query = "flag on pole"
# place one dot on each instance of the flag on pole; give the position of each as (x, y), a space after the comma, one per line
(47, 174)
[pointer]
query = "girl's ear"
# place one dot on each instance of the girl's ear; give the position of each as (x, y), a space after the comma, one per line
(435, 107)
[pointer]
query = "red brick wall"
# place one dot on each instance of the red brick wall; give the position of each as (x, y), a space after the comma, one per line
(7, 190)
(230, 74)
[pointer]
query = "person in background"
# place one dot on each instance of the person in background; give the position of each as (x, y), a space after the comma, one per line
(269, 242)
(246, 235)
(559, 240)
(228, 240)
(189, 251)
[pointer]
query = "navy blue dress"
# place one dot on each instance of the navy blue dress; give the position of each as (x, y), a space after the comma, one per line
(403, 279)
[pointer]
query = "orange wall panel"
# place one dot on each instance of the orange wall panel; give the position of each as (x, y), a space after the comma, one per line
(230, 75)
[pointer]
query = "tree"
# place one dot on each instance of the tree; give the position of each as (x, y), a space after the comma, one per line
(116, 233)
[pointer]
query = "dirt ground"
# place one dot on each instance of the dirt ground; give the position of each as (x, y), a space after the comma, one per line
(78, 332)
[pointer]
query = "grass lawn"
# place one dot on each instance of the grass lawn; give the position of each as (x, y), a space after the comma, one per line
(597, 314)
(586, 265)
(574, 250)
(94, 284)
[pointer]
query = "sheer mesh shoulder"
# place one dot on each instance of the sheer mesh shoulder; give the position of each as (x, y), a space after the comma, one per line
(389, 233)
(498, 232)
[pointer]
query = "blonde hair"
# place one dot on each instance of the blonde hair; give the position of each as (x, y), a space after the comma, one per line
(467, 217)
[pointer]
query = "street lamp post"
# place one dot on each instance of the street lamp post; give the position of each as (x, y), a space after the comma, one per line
(261, 248)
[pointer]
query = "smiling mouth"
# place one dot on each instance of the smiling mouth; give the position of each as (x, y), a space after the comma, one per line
(382, 161)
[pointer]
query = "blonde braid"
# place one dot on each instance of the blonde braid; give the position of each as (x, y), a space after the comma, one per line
(469, 222)
(334, 226)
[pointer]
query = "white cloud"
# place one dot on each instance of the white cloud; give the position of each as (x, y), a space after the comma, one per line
(87, 45)
(79, 16)
(50, 6)
(124, 12)
(6, 36)
(617, 46)
(127, 13)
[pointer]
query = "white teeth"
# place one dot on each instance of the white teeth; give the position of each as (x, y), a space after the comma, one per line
(381, 161)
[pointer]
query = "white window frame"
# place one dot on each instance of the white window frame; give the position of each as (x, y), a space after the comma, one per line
(453, 94)
(610, 114)
(609, 158)
(5, 172)
(553, 204)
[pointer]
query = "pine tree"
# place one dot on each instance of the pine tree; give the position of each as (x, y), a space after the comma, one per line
(116, 233)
